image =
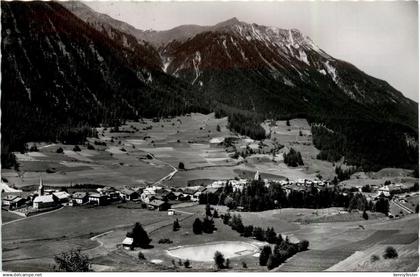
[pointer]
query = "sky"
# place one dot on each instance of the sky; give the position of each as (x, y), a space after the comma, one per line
(380, 38)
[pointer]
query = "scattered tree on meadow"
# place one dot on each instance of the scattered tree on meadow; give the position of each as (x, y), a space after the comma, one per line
(59, 150)
(390, 253)
(219, 260)
(139, 235)
(208, 210)
(197, 227)
(208, 225)
(293, 158)
(382, 205)
(181, 166)
(176, 225)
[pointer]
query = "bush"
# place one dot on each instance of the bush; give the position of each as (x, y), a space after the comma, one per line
(59, 150)
(90, 147)
(219, 260)
(374, 258)
(163, 241)
(76, 148)
(72, 261)
(181, 166)
(390, 253)
(244, 265)
(141, 256)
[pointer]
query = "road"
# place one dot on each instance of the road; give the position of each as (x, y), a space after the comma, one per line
(408, 210)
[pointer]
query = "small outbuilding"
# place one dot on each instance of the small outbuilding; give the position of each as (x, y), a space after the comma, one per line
(127, 243)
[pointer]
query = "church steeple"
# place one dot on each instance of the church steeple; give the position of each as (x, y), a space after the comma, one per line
(41, 187)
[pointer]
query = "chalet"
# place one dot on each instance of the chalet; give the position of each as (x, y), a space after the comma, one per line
(45, 201)
(80, 198)
(62, 196)
(98, 199)
(147, 196)
(128, 194)
(158, 205)
(13, 201)
(128, 243)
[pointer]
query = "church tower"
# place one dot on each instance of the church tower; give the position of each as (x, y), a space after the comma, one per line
(41, 187)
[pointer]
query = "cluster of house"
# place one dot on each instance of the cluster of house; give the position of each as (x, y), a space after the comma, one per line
(154, 197)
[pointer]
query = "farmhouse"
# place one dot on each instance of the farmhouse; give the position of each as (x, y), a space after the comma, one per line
(80, 197)
(158, 205)
(45, 201)
(128, 194)
(13, 201)
(98, 199)
(62, 196)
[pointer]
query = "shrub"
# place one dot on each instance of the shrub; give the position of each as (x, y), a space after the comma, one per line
(72, 261)
(76, 148)
(390, 253)
(219, 260)
(141, 256)
(90, 147)
(181, 166)
(244, 265)
(59, 150)
(264, 255)
(165, 240)
(374, 258)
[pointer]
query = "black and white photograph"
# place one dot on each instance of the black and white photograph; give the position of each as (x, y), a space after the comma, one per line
(209, 136)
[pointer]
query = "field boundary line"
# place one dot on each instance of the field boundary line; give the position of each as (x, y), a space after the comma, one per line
(20, 219)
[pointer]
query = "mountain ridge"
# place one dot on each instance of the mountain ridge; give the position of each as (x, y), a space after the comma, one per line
(249, 72)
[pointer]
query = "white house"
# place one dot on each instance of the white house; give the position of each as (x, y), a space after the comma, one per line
(45, 201)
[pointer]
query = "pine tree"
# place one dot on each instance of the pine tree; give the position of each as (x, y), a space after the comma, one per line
(264, 255)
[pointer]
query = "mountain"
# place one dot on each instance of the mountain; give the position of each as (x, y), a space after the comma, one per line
(278, 73)
(66, 66)
(60, 74)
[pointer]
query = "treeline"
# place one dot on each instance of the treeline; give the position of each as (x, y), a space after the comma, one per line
(257, 197)
(243, 122)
